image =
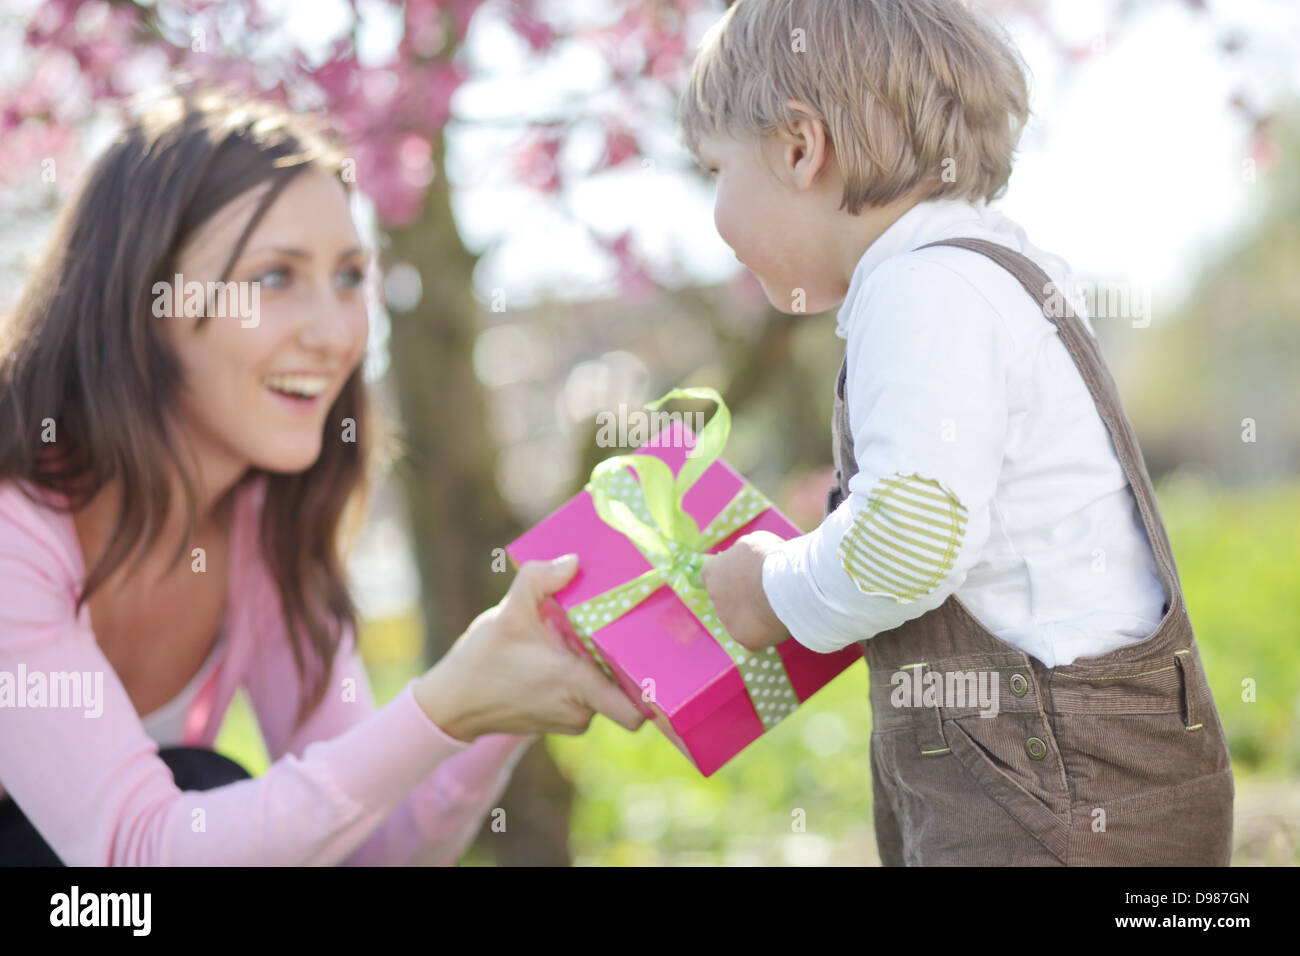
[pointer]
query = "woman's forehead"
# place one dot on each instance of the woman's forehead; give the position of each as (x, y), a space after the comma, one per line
(220, 232)
(305, 195)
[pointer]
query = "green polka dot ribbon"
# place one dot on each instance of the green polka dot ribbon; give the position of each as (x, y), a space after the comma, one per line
(650, 514)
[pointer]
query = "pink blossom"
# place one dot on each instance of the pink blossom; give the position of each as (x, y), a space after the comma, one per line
(537, 163)
(635, 282)
(620, 146)
(538, 33)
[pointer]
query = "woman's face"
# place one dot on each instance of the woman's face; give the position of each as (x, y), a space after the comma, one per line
(261, 374)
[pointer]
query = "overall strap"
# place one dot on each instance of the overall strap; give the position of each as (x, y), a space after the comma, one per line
(1083, 349)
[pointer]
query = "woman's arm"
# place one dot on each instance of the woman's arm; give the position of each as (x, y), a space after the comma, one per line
(90, 780)
(508, 676)
(435, 821)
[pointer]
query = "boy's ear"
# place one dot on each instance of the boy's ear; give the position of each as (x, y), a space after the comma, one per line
(805, 146)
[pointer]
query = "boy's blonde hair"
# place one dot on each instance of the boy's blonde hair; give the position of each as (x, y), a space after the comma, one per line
(908, 90)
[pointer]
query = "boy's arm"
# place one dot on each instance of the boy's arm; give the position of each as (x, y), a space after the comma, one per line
(926, 392)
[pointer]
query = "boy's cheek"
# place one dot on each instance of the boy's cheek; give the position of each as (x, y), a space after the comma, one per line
(728, 236)
(736, 230)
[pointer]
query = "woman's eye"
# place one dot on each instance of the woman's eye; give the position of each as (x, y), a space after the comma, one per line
(273, 278)
(352, 277)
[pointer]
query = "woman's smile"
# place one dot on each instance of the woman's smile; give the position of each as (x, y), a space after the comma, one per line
(301, 391)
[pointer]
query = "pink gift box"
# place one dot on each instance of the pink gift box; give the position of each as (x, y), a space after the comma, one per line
(700, 701)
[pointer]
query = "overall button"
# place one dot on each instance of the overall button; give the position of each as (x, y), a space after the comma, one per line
(1035, 747)
(1019, 686)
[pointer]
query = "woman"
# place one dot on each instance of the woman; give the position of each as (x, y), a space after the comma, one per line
(177, 460)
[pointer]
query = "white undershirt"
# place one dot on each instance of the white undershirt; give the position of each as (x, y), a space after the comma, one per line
(166, 724)
(955, 375)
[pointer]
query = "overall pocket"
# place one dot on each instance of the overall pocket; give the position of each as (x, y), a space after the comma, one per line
(1148, 764)
(1188, 824)
(1143, 727)
(997, 752)
(982, 790)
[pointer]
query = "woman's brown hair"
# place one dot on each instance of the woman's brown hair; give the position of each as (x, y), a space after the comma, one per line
(83, 348)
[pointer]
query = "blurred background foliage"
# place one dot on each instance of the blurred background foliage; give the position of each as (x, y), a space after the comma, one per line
(508, 322)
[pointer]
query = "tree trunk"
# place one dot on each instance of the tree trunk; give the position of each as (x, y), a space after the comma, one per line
(448, 478)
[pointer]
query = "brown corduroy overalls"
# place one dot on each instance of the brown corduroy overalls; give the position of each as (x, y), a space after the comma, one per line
(1111, 760)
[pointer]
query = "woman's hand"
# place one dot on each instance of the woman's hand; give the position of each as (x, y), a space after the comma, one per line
(511, 672)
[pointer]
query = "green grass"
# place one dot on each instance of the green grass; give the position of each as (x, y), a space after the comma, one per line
(1238, 556)
(640, 802)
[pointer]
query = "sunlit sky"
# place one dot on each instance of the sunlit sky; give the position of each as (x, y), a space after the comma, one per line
(1131, 168)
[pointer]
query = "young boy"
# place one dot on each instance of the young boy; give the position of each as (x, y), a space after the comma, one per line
(992, 539)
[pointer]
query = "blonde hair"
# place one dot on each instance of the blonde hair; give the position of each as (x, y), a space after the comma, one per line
(909, 91)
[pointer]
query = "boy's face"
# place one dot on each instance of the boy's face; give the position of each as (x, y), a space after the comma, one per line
(778, 231)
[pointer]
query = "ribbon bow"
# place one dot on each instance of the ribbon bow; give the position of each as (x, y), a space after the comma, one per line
(653, 518)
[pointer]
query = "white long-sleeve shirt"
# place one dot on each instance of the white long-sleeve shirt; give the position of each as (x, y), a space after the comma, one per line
(984, 467)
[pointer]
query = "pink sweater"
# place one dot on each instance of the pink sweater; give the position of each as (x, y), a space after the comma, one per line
(354, 786)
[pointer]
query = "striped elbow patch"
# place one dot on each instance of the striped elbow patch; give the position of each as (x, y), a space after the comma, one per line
(906, 540)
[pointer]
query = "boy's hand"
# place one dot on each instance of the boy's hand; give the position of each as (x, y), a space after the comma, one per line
(734, 580)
